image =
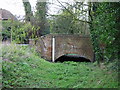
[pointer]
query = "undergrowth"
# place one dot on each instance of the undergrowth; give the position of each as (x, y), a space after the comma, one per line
(22, 67)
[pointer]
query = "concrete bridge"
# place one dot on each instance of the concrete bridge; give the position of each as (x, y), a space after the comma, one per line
(52, 47)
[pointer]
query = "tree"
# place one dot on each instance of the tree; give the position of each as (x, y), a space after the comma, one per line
(105, 30)
(28, 11)
(40, 17)
(70, 21)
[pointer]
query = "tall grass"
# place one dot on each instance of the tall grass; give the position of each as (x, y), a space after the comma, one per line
(23, 67)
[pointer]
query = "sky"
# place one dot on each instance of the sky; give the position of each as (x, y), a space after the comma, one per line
(16, 6)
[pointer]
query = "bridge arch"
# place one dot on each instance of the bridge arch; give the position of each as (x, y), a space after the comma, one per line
(72, 57)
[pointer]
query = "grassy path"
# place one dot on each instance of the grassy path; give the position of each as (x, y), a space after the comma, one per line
(22, 67)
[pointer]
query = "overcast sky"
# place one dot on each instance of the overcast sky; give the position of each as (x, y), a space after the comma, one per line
(16, 6)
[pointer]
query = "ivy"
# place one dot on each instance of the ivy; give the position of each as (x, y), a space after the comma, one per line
(105, 27)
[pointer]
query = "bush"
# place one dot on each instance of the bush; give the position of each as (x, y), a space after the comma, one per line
(20, 32)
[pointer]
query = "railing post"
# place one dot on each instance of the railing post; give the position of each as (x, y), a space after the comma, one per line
(53, 49)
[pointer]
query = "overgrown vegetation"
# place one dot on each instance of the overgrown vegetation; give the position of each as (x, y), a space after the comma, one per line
(105, 30)
(19, 32)
(22, 67)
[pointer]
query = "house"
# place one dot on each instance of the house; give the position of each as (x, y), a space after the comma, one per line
(6, 30)
(6, 15)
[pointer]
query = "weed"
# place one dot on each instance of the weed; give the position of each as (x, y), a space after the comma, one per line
(23, 67)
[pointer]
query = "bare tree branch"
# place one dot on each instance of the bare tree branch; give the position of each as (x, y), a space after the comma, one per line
(71, 12)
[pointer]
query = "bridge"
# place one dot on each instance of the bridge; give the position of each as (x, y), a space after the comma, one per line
(52, 47)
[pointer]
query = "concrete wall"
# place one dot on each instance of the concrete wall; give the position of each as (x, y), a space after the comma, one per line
(65, 44)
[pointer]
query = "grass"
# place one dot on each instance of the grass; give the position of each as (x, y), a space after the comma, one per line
(22, 67)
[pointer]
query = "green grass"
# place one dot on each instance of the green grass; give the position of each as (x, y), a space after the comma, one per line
(22, 67)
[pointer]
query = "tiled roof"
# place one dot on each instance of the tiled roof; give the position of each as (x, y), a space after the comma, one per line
(5, 15)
